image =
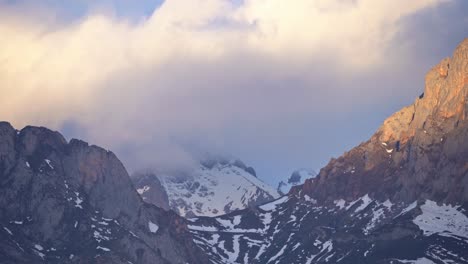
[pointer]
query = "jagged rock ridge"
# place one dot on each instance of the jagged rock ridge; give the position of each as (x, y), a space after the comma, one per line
(419, 152)
(70, 202)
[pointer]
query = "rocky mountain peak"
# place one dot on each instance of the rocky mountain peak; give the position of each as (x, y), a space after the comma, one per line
(444, 99)
(218, 186)
(418, 152)
(211, 162)
(74, 203)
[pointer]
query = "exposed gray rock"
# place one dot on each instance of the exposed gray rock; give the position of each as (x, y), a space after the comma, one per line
(74, 203)
(150, 189)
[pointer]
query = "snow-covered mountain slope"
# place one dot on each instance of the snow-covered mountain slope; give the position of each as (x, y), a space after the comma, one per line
(300, 230)
(216, 187)
(298, 177)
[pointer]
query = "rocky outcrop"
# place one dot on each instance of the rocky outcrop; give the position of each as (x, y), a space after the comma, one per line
(419, 152)
(70, 202)
(150, 189)
(298, 177)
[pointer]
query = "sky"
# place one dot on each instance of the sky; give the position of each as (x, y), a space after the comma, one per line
(282, 85)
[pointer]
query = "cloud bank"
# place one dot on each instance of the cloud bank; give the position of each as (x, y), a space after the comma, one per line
(198, 75)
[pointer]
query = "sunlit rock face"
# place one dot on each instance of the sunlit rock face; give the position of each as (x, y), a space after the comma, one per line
(70, 202)
(400, 197)
(419, 152)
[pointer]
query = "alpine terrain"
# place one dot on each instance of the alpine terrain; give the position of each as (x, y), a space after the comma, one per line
(68, 202)
(400, 197)
(218, 186)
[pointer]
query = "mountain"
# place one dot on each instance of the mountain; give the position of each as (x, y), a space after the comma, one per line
(298, 177)
(68, 202)
(400, 197)
(218, 186)
(420, 151)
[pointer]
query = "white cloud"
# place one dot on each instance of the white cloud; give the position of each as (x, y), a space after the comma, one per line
(194, 67)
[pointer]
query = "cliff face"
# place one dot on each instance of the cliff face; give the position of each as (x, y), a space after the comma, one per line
(70, 202)
(150, 189)
(420, 152)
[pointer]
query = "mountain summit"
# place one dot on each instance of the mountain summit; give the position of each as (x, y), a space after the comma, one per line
(420, 151)
(68, 202)
(218, 186)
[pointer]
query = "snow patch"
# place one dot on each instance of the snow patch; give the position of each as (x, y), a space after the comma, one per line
(143, 190)
(8, 231)
(407, 209)
(417, 261)
(38, 247)
(388, 204)
(232, 256)
(203, 228)
(49, 163)
(279, 254)
(99, 237)
(352, 203)
(308, 199)
(153, 227)
(340, 203)
(230, 224)
(444, 220)
(377, 215)
(272, 205)
(266, 219)
(78, 200)
(40, 254)
(366, 200)
(103, 248)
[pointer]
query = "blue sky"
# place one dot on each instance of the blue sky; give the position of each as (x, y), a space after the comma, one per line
(281, 85)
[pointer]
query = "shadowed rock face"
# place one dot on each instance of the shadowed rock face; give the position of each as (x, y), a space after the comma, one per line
(70, 202)
(151, 189)
(419, 152)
